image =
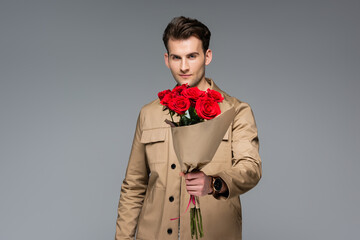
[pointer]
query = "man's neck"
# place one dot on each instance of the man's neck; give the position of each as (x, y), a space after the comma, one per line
(203, 85)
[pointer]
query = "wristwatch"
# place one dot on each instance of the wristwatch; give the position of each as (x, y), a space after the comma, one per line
(216, 185)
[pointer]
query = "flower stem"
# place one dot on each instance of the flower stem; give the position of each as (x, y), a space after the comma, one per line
(201, 225)
(171, 115)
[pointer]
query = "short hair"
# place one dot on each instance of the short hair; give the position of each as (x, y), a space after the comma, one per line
(183, 28)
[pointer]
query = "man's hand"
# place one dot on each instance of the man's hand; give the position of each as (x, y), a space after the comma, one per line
(197, 183)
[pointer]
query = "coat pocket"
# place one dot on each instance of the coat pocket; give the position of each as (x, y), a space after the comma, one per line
(155, 148)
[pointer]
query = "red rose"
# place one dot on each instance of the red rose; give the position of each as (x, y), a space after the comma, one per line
(178, 89)
(207, 108)
(162, 94)
(215, 95)
(193, 94)
(166, 99)
(179, 104)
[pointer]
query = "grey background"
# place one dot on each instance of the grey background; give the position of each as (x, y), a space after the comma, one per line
(74, 74)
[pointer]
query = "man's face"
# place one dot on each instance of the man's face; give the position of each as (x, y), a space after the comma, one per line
(186, 60)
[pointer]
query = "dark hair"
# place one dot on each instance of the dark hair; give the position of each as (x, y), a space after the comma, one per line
(183, 28)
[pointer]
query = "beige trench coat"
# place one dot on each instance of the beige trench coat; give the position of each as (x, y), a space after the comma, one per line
(153, 192)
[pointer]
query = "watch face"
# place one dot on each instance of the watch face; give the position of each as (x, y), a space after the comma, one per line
(217, 184)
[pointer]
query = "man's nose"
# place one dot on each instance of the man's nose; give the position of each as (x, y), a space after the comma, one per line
(184, 66)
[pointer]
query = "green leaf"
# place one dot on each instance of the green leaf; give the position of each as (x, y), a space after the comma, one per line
(184, 121)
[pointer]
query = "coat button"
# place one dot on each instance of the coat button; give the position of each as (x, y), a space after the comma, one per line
(171, 199)
(173, 166)
(169, 231)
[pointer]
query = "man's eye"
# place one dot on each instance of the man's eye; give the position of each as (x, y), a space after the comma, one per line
(175, 57)
(192, 56)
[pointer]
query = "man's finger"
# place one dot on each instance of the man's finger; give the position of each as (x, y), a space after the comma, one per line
(193, 175)
(193, 188)
(192, 182)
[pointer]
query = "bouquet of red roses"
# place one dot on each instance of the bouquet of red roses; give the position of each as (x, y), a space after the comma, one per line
(195, 145)
(191, 104)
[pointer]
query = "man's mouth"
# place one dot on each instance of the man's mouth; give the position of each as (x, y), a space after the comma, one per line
(185, 75)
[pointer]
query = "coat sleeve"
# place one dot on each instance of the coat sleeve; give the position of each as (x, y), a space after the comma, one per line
(245, 171)
(133, 188)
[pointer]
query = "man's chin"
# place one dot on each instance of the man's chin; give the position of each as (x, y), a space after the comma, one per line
(181, 82)
(191, 82)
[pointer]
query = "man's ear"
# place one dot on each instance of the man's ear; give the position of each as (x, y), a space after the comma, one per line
(166, 59)
(208, 56)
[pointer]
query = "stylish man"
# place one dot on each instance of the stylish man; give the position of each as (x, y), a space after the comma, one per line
(154, 190)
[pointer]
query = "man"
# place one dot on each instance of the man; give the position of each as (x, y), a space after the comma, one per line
(153, 191)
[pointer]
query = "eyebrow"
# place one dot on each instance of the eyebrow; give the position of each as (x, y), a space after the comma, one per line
(193, 53)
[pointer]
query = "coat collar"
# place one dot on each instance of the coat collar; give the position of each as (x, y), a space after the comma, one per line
(213, 86)
(225, 104)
